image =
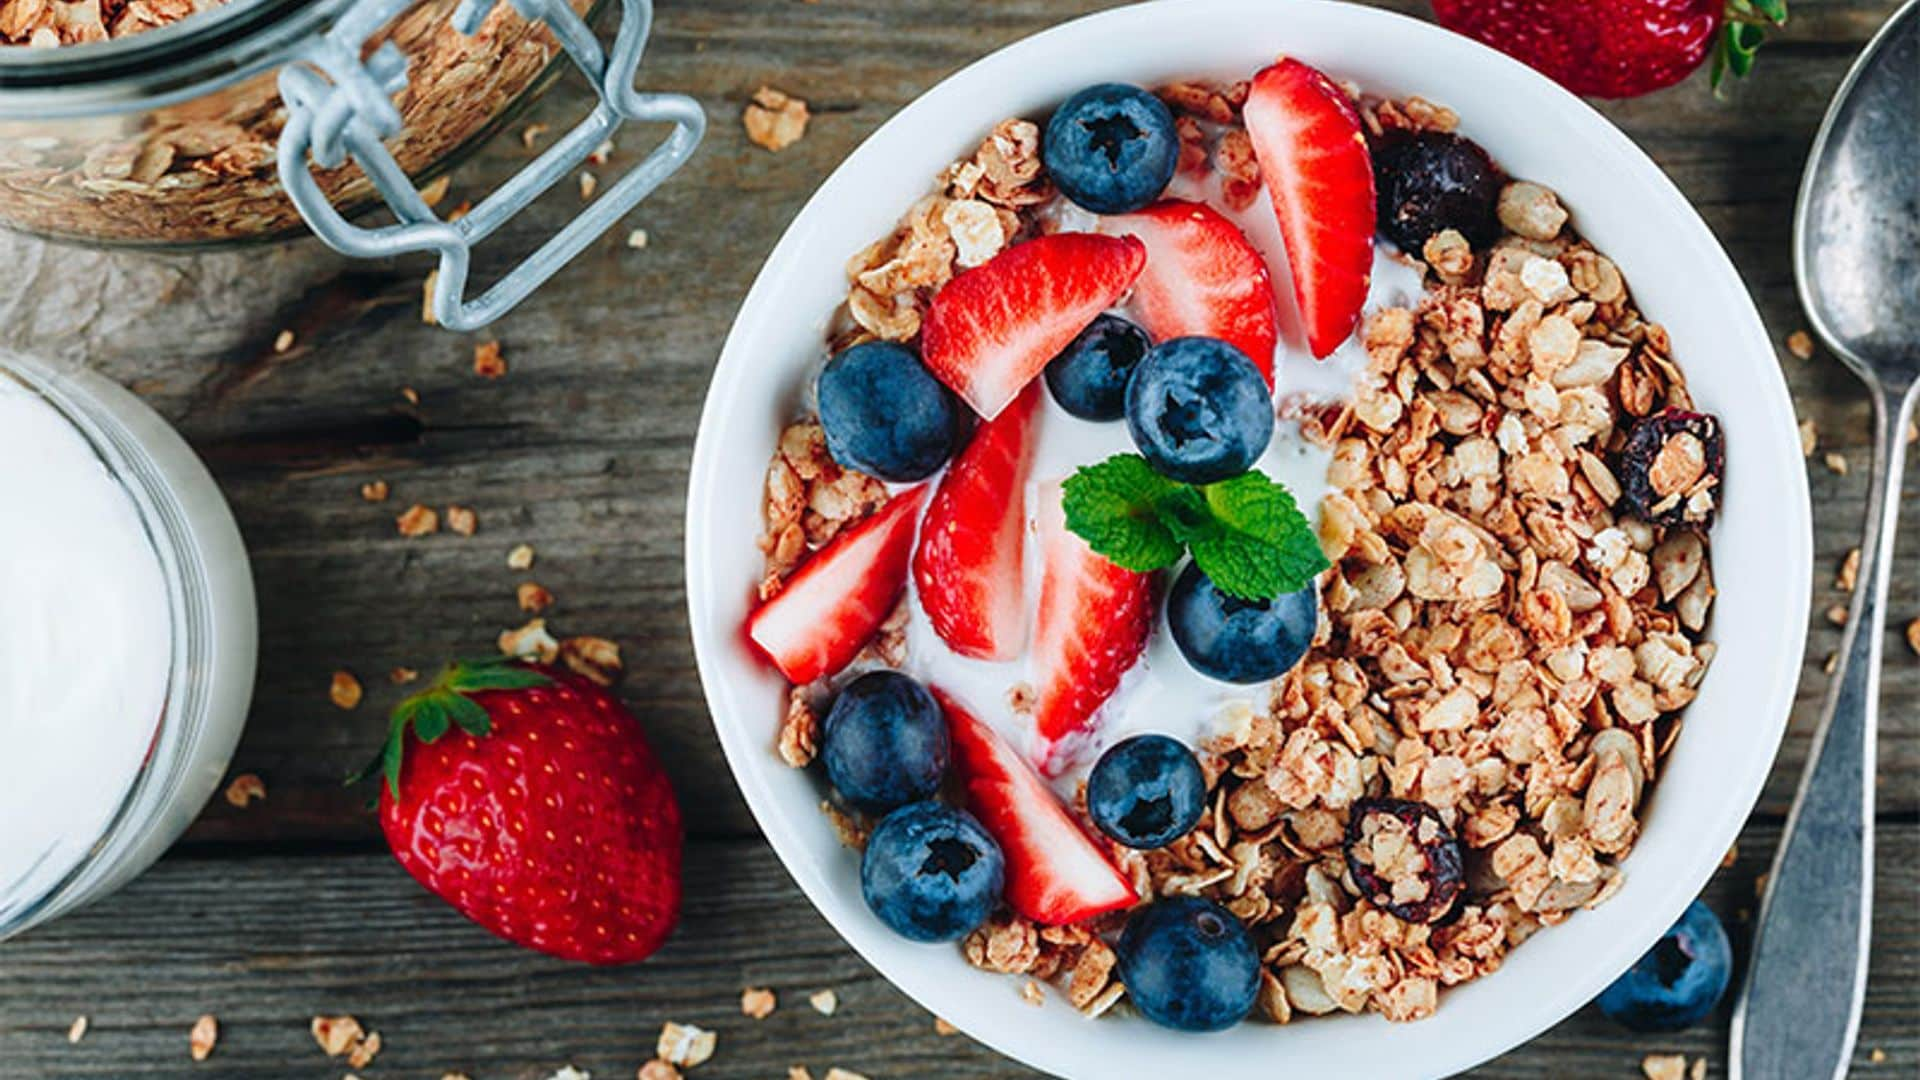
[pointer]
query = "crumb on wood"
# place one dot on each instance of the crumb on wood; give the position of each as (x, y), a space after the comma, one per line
(246, 789)
(283, 341)
(205, 1033)
(417, 521)
(824, 1002)
(375, 491)
(774, 119)
(684, 1045)
(658, 1070)
(344, 690)
(462, 520)
(436, 190)
(78, 1031)
(1664, 1066)
(521, 557)
(757, 1002)
(401, 676)
(1800, 344)
(533, 597)
(487, 361)
(530, 642)
(1836, 462)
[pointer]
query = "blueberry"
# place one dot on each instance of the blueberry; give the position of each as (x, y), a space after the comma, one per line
(1429, 181)
(1199, 410)
(885, 414)
(1089, 377)
(885, 742)
(1146, 791)
(1678, 982)
(1239, 641)
(931, 873)
(1112, 148)
(1189, 964)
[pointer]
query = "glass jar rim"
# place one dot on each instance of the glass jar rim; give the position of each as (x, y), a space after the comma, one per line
(162, 66)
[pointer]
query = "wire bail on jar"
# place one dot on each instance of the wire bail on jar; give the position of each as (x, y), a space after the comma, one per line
(339, 107)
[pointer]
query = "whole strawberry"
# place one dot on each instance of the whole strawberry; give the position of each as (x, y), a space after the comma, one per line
(1618, 48)
(529, 800)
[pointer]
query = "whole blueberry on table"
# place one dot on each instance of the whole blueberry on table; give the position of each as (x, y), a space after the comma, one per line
(1678, 982)
(1146, 791)
(1429, 181)
(885, 414)
(931, 873)
(1239, 641)
(885, 742)
(1089, 377)
(1198, 410)
(1188, 964)
(1111, 148)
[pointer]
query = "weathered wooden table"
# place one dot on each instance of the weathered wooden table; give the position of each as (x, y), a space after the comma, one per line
(271, 915)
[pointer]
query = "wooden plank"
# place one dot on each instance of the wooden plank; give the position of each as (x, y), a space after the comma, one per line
(267, 943)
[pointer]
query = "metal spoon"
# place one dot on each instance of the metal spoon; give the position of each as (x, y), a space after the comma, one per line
(1856, 249)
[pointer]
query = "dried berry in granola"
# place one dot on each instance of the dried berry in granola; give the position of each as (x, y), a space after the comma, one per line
(1404, 858)
(1671, 467)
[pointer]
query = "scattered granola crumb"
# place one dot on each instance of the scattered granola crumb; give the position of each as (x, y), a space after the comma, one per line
(533, 597)
(589, 183)
(401, 676)
(426, 298)
(757, 1002)
(594, 658)
(530, 642)
(1664, 1066)
(1800, 344)
(206, 1032)
(1698, 1070)
(1809, 437)
(530, 135)
(487, 361)
(942, 1026)
(417, 521)
(1849, 571)
(245, 788)
(283, 341)
(344, 691)
(658, 1070)
(78, 1031)
(1732, 856)
(798, 1072)
(436, 190)
(568, 1072)
(684, 1044)
(412, 395)
(775, 120)
(375, 491)
(1830, 664)
(838, 1073)
(602, 153)
(824, 1002)
(363, 1052)
(462, 520)
(337, 1035)
(520, 558)
(1032, 994)
(1913, 636)
(1837, 614)
(850, 829)
(1877, 1056)
(637, 239)
(1836, 462)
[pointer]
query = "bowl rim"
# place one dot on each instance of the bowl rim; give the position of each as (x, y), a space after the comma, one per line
(1792, 514)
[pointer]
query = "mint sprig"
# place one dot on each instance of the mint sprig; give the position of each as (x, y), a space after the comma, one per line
(1246, 532)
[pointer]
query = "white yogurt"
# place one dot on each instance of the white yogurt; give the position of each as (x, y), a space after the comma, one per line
(85, 646)
(1162, 693)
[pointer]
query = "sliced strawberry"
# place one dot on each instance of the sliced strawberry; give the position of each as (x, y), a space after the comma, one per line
(1203, 278)
(1055, 873)
(1093, 624)
(992, 329)
(832, 606)
(968, 564)
(1314, 160)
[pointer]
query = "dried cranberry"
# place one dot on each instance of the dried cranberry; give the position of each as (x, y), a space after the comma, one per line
(1671, 467)
(1428, 181)
(1405, 859)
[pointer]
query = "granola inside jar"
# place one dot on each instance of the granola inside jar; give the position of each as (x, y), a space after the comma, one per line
(154, 122)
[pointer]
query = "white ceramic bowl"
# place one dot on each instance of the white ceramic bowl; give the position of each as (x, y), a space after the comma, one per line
(1620, 200)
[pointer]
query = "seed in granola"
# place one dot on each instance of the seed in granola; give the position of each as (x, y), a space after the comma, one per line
(206, 1032)
(1434, 180)
(245, 789)
(1404, 858)
(1670, 466)
(344, 690)
(775, 120)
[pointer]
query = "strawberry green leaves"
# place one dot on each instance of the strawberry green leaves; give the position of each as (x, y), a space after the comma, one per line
(1744, 30)
(1245, 532)
(444, 705)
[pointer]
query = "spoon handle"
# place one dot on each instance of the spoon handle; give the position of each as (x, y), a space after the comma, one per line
(1799, 1010)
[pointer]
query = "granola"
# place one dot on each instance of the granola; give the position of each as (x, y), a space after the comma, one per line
(1517, 515)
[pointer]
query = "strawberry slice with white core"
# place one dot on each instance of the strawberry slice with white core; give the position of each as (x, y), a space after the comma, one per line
(968, 565)
(1056, 875)
(1202, 279)
(1092, 626)
(994, 327)
(827, 611)
(1319, 176)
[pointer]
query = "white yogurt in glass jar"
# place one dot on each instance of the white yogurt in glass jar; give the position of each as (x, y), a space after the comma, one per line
(128, 640)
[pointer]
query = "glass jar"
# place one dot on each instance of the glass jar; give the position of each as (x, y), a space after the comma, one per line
(92, 804)
(237, 122)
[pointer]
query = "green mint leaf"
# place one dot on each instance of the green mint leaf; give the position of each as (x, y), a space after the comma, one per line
(1115, 506)
(1259, 545)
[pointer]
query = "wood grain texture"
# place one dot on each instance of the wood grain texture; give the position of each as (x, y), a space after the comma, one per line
(272, 914)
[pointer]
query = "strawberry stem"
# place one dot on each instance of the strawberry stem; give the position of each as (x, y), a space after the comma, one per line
(444, 704)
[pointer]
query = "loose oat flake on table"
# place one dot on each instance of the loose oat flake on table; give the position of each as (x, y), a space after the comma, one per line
(1502, 622)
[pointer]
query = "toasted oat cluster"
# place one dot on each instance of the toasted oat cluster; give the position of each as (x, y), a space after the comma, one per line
(204, 170)
(1511, 627)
